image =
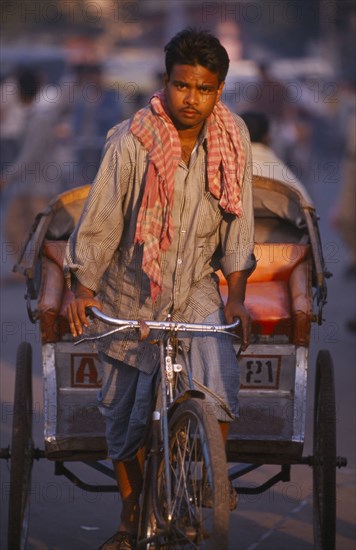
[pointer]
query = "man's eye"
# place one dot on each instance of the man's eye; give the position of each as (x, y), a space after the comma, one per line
(181, 86)
(206, 90)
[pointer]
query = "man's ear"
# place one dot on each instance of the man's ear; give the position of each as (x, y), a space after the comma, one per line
(220, 89)
(165, 79)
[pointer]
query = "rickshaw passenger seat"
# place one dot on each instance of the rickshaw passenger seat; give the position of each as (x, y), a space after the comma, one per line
(54, 295)
(279, 291)
(278, 295)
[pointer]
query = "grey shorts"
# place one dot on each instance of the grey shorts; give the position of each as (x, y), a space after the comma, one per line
(127, 395)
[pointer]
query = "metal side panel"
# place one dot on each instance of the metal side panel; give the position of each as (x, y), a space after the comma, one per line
(300, 392)
(71, 381)
(272, 400)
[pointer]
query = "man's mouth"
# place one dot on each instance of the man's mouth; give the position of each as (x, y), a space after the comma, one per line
(190, 111)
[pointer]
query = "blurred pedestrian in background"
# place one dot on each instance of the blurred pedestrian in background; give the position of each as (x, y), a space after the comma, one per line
(290, 124)
(12, 117)
(96, 109)
(272, 101)
(264, 160)
(35, 175)
(344, 215)
(273, 95)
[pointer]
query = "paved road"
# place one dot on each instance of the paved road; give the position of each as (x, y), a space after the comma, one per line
(64, 517)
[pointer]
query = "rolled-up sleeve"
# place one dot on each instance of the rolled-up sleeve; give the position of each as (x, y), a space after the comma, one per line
(97, 235)
(237, 232)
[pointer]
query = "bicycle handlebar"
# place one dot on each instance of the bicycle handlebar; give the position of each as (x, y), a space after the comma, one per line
(126, 324)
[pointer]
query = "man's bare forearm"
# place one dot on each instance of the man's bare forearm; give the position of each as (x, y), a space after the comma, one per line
(82, 291)
(237, 281)
(235, 303)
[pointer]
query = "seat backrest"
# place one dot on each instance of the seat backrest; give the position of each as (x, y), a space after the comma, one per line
(276, 261)
(67, 209)
(279, 291)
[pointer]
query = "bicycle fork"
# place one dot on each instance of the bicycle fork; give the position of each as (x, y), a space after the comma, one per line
(164, 419)
(168, 371)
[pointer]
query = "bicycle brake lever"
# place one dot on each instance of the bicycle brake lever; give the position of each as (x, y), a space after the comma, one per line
(103, 335)
(230, 334)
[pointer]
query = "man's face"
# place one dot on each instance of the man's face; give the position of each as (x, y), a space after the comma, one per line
(191, 95)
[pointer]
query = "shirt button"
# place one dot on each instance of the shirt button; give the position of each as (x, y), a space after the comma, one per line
(179, 261)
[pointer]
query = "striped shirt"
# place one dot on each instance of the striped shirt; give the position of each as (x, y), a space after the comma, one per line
(102, 255)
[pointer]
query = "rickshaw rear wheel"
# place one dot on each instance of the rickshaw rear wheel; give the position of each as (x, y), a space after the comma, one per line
(324, 451)
(21, 450)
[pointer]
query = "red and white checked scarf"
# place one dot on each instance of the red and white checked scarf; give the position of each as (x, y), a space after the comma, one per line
(225, 167)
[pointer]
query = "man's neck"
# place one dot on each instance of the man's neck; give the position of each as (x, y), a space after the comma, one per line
(189, 135)
(188, 138)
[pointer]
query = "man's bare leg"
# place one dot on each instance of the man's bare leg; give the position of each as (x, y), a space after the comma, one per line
(129, 477)
(232, 495)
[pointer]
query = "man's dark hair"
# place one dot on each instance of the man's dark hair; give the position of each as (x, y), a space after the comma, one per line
(193, 47)
(257, 125)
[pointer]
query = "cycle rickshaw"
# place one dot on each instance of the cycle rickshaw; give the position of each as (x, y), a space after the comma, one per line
(285, 295)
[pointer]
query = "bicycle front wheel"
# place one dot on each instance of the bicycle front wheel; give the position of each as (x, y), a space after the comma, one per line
(200, 489)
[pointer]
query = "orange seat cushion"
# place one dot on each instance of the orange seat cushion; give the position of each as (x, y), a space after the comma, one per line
(49, 300)
(54, 295)
(278, 292)
(269, 307)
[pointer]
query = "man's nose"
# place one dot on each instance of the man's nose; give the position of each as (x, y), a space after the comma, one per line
(191, 97)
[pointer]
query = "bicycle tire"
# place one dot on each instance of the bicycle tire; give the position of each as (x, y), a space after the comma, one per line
(21, 451)
(199, 485)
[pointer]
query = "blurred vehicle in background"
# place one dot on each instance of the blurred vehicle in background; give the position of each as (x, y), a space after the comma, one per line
(133, 74)
(49, 60)
(310, 82)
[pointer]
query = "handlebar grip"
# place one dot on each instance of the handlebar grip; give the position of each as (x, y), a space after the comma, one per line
(90, 311)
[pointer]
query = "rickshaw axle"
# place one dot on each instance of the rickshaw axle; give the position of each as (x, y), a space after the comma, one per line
(341, 461)
(243, 469)
(60, 469)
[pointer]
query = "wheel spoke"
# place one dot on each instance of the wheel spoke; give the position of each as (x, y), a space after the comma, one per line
(181, 466)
